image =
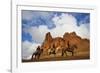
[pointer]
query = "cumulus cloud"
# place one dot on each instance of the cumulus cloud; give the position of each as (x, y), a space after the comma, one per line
(63, 23)
(28, 48)
(64, 19)
(37, 33)
(67, 23)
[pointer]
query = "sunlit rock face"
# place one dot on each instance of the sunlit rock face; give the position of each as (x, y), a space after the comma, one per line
(61, 42)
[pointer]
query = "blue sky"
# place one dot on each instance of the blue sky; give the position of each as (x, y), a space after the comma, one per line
(37, 18)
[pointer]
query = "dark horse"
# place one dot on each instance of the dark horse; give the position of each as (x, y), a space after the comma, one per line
(69, 49)
(37, 53)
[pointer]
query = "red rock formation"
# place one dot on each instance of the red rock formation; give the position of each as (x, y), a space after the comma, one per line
(58, 42)
(47, 41)
(72, 38)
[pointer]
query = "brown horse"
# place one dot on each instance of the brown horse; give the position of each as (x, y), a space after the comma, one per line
(70, 48)
(37, 53)
(52, 50)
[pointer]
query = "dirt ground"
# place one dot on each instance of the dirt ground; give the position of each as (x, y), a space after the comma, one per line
(77, 56)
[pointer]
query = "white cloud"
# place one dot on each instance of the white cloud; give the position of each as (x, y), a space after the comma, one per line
(38, 33)
(68, 23)
(28, 48)
(64, 23)
(83, 31)
(64, 19)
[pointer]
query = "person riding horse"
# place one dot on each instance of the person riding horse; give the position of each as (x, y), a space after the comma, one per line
(37, 53)
(70, 48)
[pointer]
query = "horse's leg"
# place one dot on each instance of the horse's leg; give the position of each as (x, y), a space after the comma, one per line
(72, 53)
(32, 56)
(62, 52)
(35, 57)
(54, 53)
(49, 53)
(38, 56)
(66, 53)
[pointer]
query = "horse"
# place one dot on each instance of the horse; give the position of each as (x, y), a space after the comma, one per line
(69, 49)
(52, 50)
(37, 53)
